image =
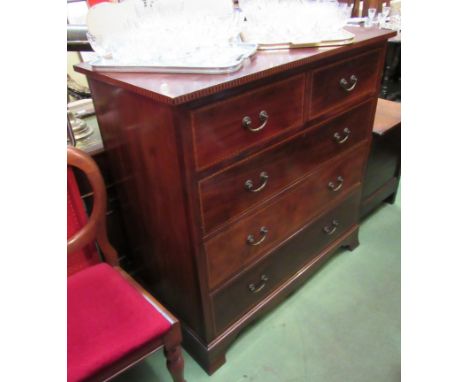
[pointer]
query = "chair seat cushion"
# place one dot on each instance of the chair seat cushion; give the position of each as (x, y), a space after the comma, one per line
(107, 319)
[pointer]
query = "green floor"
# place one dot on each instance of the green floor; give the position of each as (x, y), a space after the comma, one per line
(343, 325)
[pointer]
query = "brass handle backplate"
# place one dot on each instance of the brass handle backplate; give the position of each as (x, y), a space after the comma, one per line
(330, 229)
(349, 85)
(249, 186)
(257, 288)
(251, 238)
(336, 187)
(247, 122)
(342, 139)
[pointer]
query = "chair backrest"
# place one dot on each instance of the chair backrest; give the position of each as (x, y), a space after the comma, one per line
(95, 227)
(88, 255)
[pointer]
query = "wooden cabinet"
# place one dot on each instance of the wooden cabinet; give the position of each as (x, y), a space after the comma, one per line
(226, 128)
(236, 187)
(226, 194)
(263, 229)
(251, 286)
(342, 83)
(382, 176)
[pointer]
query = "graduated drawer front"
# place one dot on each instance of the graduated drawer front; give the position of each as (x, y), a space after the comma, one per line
(251, 287)
(230, 251)
(220, 130)
(344, 83)
(224, 195)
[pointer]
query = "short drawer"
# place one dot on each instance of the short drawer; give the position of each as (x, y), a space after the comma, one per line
(251, 237)
(229, 193)
(344, 83)
(252, 286)
(226, 128)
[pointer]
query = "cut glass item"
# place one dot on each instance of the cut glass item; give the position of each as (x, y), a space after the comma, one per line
(150, 35)
(295, 23)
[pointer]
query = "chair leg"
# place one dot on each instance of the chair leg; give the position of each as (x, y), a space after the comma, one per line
(175, 362)
(173, 353)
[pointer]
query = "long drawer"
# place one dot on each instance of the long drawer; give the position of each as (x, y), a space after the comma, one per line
(344, 83)
(251, 237)
(231, 192)
(229, 127)
(252, 286)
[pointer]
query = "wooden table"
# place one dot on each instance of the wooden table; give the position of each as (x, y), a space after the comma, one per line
(382, 177)
(237, 187)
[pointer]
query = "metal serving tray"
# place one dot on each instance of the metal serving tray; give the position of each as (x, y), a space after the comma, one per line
(345, 38)
(248, 50)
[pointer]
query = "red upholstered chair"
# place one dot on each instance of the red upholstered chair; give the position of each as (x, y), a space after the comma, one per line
(112, 323)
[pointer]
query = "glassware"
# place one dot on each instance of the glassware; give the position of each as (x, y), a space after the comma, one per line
(299, 21)
(165, 32)
(395, 22)
(346, 9)
(386, 11)
(370, 17)
(381, 20)
(155, 32)
(98, 46)
(349, 10)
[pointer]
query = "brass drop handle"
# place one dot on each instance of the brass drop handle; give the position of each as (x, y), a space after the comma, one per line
(247, 122)
(338, 186)
(349, 85)
(342, 139)
(251, 238)
(249, 186)
(330, 229)
(257, 288)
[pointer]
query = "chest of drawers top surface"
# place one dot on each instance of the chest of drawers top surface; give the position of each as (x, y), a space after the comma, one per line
(178, 89)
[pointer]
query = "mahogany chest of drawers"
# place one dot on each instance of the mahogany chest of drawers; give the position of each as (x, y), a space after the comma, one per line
(236, 187)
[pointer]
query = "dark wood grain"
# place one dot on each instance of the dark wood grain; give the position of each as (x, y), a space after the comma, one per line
(325, 82)
(223, 196)
(212, 355)
(140, 141)
(382, 175)
(228, 252)
(234, 299)
(175, 198)
(218, 128)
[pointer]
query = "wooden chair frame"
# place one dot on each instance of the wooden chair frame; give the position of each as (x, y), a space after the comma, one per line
(95, 230)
